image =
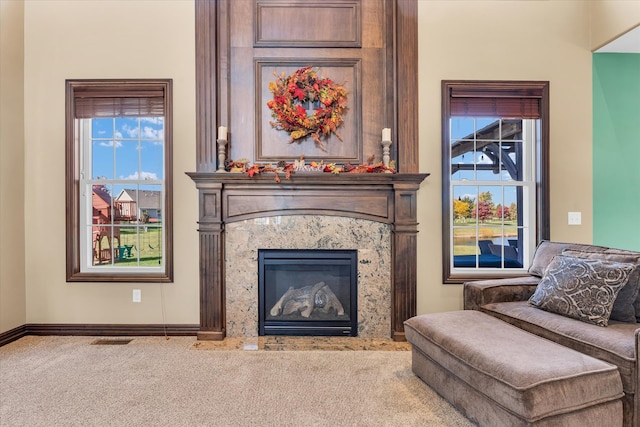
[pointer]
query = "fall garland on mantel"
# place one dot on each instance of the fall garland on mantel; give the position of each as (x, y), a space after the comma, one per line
(282, 167)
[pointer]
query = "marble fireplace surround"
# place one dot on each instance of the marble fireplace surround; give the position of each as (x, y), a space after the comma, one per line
(374, 213)
(371, 239)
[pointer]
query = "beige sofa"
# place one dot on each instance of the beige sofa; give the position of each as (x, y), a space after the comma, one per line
(614, 340)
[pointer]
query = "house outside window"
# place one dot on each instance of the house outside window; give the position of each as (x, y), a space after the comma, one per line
(119, 180)
(495, 139)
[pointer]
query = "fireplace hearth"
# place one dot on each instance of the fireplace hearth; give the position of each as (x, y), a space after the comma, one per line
(307, 292)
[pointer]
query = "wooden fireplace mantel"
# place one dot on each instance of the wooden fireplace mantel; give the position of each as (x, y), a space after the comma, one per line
(229, 197)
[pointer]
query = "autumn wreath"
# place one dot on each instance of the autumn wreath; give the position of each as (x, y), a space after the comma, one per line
(291, 94)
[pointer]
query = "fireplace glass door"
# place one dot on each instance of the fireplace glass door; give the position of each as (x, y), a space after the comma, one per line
(307, 292)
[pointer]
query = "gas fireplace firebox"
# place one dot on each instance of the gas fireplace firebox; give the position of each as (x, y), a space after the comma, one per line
(307, 292)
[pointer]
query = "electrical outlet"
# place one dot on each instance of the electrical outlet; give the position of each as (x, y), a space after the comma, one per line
(137, 295)
(575, 218)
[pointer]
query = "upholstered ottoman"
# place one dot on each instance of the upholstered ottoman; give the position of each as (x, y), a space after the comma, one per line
(499, 375)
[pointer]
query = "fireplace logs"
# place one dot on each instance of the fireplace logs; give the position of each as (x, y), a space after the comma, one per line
(306, 300)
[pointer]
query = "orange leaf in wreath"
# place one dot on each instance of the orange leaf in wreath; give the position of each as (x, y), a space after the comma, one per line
(299, 93)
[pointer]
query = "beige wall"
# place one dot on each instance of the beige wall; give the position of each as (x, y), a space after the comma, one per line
(612, 18)
(514, 40)
(12, 281)
(534, 40)
(104, 39)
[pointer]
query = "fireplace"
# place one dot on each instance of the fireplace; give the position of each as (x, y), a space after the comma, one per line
(307, 292)
(239, 214)
(230, 201)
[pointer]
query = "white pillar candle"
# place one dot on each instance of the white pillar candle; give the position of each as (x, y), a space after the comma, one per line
(386, 134)
(222, 132)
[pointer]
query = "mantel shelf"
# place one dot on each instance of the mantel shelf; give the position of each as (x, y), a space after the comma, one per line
(314, 178)
(376, 197)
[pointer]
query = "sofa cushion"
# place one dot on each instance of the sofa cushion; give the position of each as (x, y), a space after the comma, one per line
(636, 304)
(584, 289)
(614, 344)
(481, 292)
(623, 307)
(546, 250)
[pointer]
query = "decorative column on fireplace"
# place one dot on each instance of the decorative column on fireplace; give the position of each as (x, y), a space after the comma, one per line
(307, 292)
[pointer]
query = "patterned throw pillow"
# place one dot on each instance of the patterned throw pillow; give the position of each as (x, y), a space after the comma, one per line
(583, 289)
(546, 250)
(623, 308)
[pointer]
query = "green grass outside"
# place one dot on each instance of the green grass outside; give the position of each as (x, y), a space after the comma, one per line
(466, 230)
(147, 247)
(465, 250)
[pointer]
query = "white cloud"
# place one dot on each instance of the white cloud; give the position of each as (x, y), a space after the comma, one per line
(145, 132)
(143, 175)
(151, 133)
(131, 132)
(111, 143)
(153, 120)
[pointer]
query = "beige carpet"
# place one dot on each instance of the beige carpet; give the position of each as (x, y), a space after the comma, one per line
(65, 381)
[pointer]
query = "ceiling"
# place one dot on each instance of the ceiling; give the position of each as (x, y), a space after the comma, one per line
(629, 42)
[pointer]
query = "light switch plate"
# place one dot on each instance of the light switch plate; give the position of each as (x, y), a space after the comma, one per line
(137, 295)
(575, 218)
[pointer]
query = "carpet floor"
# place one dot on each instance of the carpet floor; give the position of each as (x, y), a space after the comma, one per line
(153, 381)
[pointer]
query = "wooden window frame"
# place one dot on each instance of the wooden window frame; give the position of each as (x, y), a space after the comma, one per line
(519, 94)
(109, 89)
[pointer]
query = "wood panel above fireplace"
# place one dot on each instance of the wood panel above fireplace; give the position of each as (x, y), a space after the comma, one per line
(371, 49)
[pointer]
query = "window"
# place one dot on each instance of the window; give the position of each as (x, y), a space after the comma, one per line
(494, 177)
(119, 180)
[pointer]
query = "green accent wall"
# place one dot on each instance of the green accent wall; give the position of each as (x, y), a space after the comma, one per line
(616, 150)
